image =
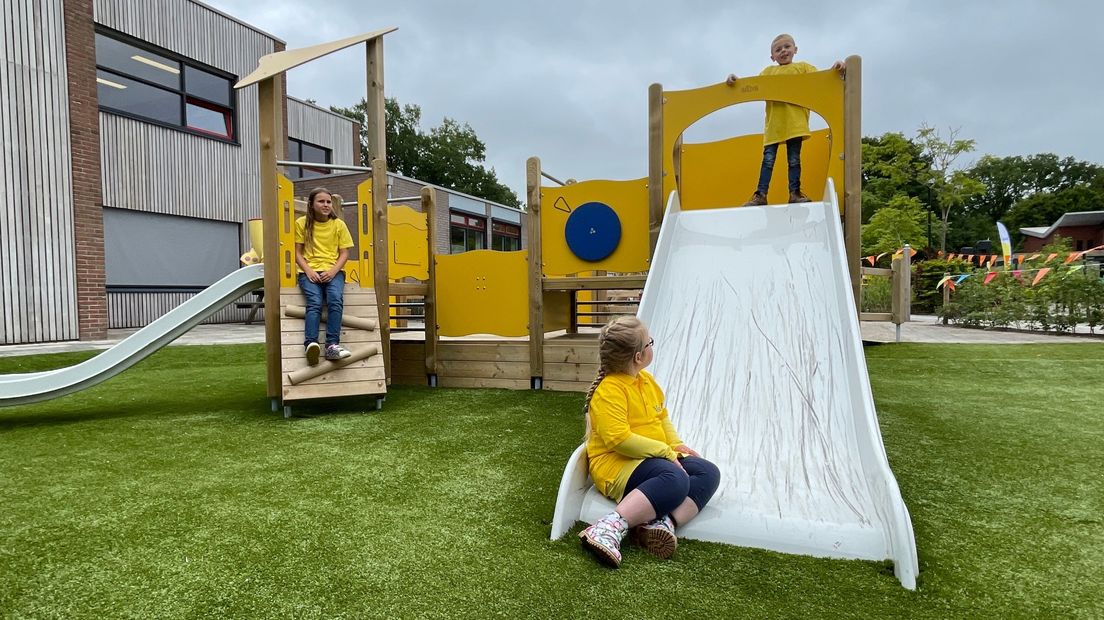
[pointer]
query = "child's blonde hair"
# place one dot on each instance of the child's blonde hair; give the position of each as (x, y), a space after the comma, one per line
(781, 36)
(308, 233)
(618, 343)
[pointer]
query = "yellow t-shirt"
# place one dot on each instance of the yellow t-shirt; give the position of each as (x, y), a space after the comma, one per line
(628, 423)
(327, 238)
(785, 120)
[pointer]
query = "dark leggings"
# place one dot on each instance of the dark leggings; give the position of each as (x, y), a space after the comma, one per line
(666, 486)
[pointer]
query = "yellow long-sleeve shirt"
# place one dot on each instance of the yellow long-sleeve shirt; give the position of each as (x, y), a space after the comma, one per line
(628, 423)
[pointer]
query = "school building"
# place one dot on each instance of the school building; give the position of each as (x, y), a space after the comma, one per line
(130, 165)
(1084, 229)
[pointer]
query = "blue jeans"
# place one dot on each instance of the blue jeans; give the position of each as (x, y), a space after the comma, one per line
(333, 292)
(793, 160)
(666, 485)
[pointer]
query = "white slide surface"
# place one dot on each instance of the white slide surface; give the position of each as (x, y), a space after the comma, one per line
(20, 389)
(758, 349)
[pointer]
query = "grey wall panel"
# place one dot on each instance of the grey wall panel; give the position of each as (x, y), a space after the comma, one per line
(38, 279)
(319, 126)
(140, 309)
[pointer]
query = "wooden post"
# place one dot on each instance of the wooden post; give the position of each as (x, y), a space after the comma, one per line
(901, 300)
(269, 93)
(376, 106)
(655, 164)
(852, 170)
(381, 254)
(536, 288)
(429, 207)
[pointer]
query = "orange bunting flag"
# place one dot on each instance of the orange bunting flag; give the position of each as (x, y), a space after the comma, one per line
(912, 252)
(870, 259)
(1039, 276)
(993, 258)
(1050, 258)
(881, 255)
(1033, 257)
(939, 253)
(951, 284)
(989, 277)
(1073, 256)
(1099, 247)
(951, 256)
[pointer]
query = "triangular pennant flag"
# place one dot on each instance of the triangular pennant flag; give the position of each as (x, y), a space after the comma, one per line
(1039, 276)
(942, 281)
(870, 259)
(1073, 256)
(881, 255)
(993, 258)
(989, 277)
(939, 253)
(961, 278)
(1017, 273)
(912, 252)
(1050, 258)
(951, 284)
(1033, 257)
(1099, 247)
(951, 256)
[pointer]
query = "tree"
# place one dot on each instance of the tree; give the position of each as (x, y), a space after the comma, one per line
(892, 165)
(952, 188)
(1008, 180)
(894, 225)
(450, 155)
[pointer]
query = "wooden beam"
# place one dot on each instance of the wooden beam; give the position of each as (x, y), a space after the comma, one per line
(407, 288)
(536, 291)
(429, 207)
(269, 93)
(382, 256)
(593, 283)
(376, 106)
(852, 175)
(277, 63)
(655, 164)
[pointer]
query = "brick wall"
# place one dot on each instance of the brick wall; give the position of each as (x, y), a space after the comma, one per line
(80, 55)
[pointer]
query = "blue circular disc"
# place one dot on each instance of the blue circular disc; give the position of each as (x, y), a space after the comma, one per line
(593, 231)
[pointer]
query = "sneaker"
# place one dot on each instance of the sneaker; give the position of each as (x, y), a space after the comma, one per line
(336, 352)
(312, 352)
(798, 197)
(657, 537)
(603, 539)
(757, 200)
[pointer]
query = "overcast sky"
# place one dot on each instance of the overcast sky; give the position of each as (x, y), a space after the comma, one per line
(567, 81)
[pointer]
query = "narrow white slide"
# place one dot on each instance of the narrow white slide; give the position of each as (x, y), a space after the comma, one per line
(21, 389)
(758, 350)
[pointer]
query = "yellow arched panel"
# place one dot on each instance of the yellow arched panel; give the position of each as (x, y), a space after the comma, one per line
(285, 193)
(363, 233)
(482, 292)
(821, 92)
(725, 173)
(408, 233)
(628, 199)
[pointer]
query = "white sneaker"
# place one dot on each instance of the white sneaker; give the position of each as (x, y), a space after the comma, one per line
(312, 353)
(336, 352)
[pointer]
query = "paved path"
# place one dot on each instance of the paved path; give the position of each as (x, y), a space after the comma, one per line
(920, 329)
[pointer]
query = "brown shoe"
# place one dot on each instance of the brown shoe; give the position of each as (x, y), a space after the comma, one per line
(798, 197)
(756, 200)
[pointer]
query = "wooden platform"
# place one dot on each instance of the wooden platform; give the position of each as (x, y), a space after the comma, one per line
(361, 378)
(570, 362)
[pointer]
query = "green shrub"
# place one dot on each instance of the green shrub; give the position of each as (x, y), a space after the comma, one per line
(925, 275)
(877, 294)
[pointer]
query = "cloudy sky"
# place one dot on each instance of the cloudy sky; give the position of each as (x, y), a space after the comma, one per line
(568, 81)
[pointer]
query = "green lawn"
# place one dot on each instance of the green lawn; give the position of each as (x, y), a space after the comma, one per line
(172, 491)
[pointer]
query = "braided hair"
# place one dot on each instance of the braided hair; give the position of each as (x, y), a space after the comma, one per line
(618, 343)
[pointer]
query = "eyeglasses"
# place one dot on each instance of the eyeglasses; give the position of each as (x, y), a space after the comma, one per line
(650, 343)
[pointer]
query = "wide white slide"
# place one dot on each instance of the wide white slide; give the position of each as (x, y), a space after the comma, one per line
(758, 349)
(20, 389)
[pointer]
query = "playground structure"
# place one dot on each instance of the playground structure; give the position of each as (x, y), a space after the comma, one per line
(759, 300)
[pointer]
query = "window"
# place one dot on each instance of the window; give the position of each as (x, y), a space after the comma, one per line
(466, 232)
(140, 81)
(1080, 245)
(155, 252)
(299, 150)
(505, 237)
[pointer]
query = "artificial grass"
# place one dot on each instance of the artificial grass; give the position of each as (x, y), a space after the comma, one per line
(172, 491)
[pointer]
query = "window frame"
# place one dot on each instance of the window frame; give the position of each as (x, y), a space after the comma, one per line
(501, 229)
(298, 143)
(230, 111)
(471, 225)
